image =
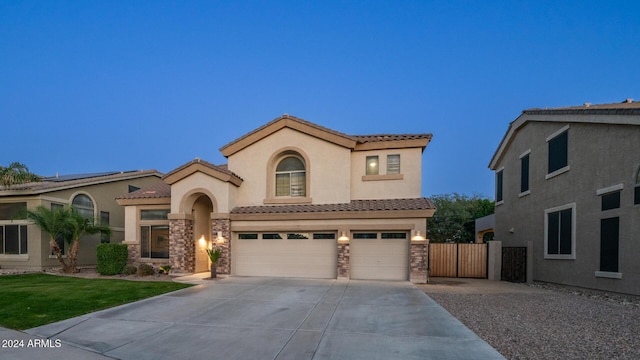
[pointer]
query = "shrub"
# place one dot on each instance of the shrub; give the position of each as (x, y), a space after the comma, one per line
(145, 270)
(129, 270)
(112, 258)
(165, 269)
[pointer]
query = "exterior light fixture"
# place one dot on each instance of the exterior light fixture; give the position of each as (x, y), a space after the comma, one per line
(220, 238)
(343, 236)
(202, 241)
(417, 236)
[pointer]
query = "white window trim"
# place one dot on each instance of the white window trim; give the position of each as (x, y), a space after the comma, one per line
(524, 193)
(608, 274)
(557, 172)
(558, 132)
(524, 154)
(574, 216)
(609, 189)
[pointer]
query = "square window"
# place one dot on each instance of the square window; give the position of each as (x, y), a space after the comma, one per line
(611, 201)
(372, 165)
(393, 164)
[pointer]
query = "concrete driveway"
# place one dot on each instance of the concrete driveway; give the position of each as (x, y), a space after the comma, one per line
(269, 318)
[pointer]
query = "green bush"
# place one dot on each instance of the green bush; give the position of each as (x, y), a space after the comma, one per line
(145, 270)
(112, 258)
(129, 270)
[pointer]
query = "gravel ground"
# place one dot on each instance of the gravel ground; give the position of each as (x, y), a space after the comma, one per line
(543, 321)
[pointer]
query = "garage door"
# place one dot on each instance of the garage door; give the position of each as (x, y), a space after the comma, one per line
(307, 255)
(380, 256)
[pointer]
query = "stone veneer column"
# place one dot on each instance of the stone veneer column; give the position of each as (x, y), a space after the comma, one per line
(418, 261)
(133, 253)
(344, 267)
(182, 248)
(224, 262)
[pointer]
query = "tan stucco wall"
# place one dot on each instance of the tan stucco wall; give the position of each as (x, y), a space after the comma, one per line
(220, 192)
(329, 167)
(378, 187)
(103, 196)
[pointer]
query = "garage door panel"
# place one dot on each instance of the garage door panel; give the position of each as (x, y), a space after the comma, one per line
(285, 258)
(379, 259)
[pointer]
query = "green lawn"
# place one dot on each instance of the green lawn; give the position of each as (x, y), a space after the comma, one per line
(31, 300)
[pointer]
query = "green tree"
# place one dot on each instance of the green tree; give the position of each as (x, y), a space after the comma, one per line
(67, 224)
(454, 219)
(16, 173)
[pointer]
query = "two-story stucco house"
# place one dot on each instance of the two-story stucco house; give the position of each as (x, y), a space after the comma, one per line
(295, 200)
(568, 182)
(24, 246)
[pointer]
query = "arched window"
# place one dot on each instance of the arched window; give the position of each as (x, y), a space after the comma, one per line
(291, 177)
(84, 205)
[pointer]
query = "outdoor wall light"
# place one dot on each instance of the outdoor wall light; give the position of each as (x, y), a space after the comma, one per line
(202, 241)
(220, 239)
(417, 236)
(343, 237)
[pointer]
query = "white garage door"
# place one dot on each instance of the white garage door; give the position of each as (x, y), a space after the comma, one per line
(380, 256)
(307, 255)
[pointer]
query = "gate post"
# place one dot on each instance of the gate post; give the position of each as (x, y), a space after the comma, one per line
(494, 254)
(529, 262)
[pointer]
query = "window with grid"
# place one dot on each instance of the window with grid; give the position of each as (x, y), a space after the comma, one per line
(560, 232)
(291, 177)
(393, 164)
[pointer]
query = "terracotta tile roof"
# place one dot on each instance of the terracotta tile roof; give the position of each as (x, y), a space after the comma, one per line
(354, 205)
(222, 168)
(362, 139)
(78, 180)
(159, 190)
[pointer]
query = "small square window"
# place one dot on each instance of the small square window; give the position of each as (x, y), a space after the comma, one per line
(372, 165)
(611, 201)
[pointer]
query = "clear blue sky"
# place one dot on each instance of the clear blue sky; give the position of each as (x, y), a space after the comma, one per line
(89, 86)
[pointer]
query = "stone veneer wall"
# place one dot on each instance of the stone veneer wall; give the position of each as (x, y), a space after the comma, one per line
(344, 268)
(224, 262)
(418, 262)
(182, 245)
(133, 250)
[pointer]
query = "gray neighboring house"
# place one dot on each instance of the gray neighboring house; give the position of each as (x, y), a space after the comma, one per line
(568, 182)
(24, 246)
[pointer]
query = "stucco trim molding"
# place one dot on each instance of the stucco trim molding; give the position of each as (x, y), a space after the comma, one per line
(608, 275)
(609, 189)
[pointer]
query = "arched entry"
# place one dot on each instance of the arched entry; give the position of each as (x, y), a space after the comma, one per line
(201, 211)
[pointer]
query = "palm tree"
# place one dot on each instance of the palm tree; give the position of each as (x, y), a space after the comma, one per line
(16, 173)
(65, 223)
(79, 226)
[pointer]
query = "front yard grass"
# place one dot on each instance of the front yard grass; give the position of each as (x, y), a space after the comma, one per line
(32, 300)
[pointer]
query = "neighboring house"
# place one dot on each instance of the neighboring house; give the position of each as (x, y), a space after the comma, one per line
(568, 181)
(24, 246)
(295, 200)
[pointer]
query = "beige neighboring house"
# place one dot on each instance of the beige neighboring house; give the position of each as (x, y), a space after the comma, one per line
(24, 246)
(568, 182)
(295, 200)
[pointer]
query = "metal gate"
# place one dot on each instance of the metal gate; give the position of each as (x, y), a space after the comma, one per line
(514, 264)
(458, 260)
